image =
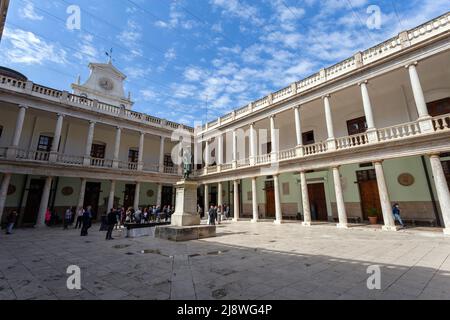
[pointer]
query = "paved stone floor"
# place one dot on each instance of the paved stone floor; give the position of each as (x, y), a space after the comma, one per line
(245, 261)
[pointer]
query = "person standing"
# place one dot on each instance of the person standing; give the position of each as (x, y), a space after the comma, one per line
(211, 215)
(111, 220)
(396, 212)
(219, 214)
(79, 218)
(48, 217)
(87, 215)
(11, 221)
(67, 218)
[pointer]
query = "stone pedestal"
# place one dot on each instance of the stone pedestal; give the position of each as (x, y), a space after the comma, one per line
(186, 205)
(185, 221)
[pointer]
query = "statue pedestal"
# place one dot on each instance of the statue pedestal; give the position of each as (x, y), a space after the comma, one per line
(185, 221)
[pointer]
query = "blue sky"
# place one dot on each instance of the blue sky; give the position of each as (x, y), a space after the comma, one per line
(194, 60)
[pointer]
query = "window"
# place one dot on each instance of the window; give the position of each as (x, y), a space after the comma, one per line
(439, 107)
(45, 143)
(168, 161)
(98, 151)
(1, 131)
(308, 137)
(267, 147)
(355, 126)
(133, 155)
(366, 175)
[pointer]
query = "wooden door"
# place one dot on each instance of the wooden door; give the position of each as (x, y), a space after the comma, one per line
(370, 198)
(33, 202)
(317, 202)
(270, 199)
(92, 197)
(128, 199)
(167, 196)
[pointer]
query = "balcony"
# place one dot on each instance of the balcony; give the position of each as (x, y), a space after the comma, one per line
(393, 133)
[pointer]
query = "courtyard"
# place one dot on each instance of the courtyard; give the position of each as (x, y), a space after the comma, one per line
(244, 261)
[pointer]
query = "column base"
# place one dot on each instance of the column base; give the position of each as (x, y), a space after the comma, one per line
(235, 219)
(278, 222)
(389, 228)
(446, 231)
(306, 224)
(254, 220)
(342, 226)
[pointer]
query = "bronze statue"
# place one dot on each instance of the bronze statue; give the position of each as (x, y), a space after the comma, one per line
(187, 163)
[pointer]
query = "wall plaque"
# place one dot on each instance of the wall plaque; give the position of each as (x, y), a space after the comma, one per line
(406, 179)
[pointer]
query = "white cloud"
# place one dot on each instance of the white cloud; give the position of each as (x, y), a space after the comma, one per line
(170, 54)
(193, 74)
(27, 48)
(239, 9)
(28, 12)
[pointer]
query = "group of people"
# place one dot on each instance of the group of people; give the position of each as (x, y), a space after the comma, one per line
(148, 214)
(215, 213)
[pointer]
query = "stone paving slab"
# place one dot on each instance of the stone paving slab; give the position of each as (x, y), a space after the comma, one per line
(244, 261)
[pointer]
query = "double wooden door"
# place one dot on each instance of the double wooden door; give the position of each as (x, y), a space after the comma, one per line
(368, 191)
(317, 202)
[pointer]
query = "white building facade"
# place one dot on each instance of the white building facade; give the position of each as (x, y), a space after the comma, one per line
(352, 139)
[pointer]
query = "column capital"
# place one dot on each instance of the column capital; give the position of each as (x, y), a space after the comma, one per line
(414, 63)
(435, 155)
(118, 128)
(380, 161)
(252, 124)
(363, 82)
(336, 167)
(60, 115)
(298, 106)
(272, 116)
(141, 133)
(92, 122)
(327, 96)
(22, 106)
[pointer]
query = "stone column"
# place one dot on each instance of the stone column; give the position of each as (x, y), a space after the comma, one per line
(4, 192)
(441, 190)
(141, 151)
(12, 150)
(305, 200)
(278, 212)
(219, 195)
(161, 154)
(206, 200)
(329, 120)
(273, 138)
(137, 194)
(342, 214)
(82, 193)
(234, 149)
(112, 191)
(367, 105)
(117, 147)
(90, 138)
(236, 200)
(44, 202)
(207, 156)
(253, 145)
(389, 223)
(159, 195)
(255, 201)
(219, 151)
(56, 137)
(298, 131)
(425, 122)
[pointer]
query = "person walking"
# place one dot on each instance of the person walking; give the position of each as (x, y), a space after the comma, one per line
(87, 215)
(11, 221)
(67, 218)
(111, 220)
(396, 213)
(212, 216)
(79, 218)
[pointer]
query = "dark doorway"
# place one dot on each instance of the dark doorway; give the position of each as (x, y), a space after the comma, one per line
(92, 197)
(368, 191)
(317, 202)
(33, 202)
(167, 196)
(270, 199)
(438, 108)
(128, 199)
(446, 168)
(213, 196)
(308, 137)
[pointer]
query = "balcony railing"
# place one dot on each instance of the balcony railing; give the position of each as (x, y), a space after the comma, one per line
(68, 159)
(352, 141)
(3, 152)
(441, 123)
(399, 131)
(33, 155)
(99, 162)
(315, 148)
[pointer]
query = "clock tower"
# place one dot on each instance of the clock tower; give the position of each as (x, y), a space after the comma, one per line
(105, 83)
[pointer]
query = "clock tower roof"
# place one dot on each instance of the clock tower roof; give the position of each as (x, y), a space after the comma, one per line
(105, 83)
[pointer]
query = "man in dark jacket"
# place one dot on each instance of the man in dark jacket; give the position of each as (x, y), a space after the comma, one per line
(111, 220)
(87, 215)
(212, 216)
(11, 220)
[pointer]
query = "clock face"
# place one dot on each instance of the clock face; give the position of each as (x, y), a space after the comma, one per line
(106, 84)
